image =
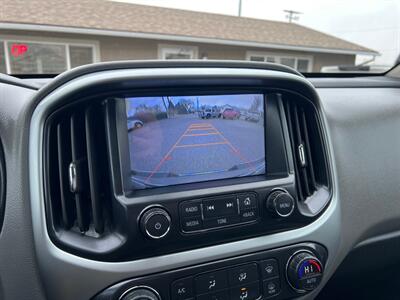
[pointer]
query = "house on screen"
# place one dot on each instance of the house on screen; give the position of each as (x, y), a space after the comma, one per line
(51, 36)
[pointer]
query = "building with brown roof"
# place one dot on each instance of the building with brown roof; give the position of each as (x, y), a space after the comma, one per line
(50, 36)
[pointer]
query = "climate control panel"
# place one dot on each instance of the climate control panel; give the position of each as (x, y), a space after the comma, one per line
(282, 273)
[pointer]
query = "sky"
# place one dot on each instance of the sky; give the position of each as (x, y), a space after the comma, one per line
(372, 23)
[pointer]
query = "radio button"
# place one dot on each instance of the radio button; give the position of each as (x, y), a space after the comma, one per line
(192, 224)
(222, 221)
(190, 208)
(243, 274)
(247, 201)
(249, 215)
(211, 282)
(220, 207)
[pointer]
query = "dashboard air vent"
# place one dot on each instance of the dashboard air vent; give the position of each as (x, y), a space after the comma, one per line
(77, 164)
(307, 147)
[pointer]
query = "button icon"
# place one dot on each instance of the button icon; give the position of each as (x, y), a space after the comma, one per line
(243, 293)
(211, 284)
(242, 276)
(157, 226)
(271, 286)
(246, 292)
(182, 289)
(247, 201)
(210, 207)
(269, 268)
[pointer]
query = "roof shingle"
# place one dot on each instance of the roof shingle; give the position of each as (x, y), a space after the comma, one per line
(119, 16)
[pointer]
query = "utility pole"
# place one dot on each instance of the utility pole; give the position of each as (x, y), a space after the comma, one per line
(240, 8)
(292, 15)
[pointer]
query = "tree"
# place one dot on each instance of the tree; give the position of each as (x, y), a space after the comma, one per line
(257, 102)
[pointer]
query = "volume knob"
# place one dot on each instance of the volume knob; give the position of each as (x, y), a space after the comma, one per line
(280, 203)
(155, 222)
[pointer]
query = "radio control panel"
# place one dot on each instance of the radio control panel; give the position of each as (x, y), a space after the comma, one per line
(217, 212)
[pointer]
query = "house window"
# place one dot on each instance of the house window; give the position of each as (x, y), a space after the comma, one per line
(177, 52)
(36, 58)
(80, 55)
(3, 68)
(302, 64)
(28, 57)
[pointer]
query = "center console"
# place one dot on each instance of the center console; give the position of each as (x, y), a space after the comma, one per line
(139, 169)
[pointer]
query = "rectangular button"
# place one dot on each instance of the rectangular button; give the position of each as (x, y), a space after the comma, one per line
(192, 224)
(190, 208)
(272, 287)
(211, 282)
(222, 295)
(247, 201)
(246, 292)
(243, 274)
(220, 207)
(269, 268)
(249, 215)
(222, 221)
(182, 289)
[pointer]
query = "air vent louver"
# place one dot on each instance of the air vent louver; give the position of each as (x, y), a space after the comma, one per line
(307, 147)
(77, 165)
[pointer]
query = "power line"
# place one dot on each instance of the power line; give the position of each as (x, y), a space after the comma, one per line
(292, 15)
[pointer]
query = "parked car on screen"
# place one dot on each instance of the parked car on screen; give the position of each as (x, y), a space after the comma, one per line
(253, 117)
(230, 114)
(134, 124)
(209, 113)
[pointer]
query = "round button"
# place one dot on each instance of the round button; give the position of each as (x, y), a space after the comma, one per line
(280, 203)
(155, 223)
(304, 271)
(140, 293)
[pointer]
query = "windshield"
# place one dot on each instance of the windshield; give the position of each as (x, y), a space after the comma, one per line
(332, 36)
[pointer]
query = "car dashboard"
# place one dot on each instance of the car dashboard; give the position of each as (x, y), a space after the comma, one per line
(192, 180)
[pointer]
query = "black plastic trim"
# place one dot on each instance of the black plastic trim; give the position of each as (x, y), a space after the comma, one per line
(151, 64)
(356, 82)
(3, 179)
(6, 79)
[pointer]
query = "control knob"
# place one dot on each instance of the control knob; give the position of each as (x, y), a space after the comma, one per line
(141, 293)
(280, 203)
(304, 271)
(155, 222)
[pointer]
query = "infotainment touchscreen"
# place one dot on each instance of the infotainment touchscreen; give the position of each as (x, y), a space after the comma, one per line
(186, 139)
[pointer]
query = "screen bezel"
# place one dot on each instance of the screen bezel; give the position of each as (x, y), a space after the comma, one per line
(124, 155)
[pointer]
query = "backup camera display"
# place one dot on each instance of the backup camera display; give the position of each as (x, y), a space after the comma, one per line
(185, 139)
